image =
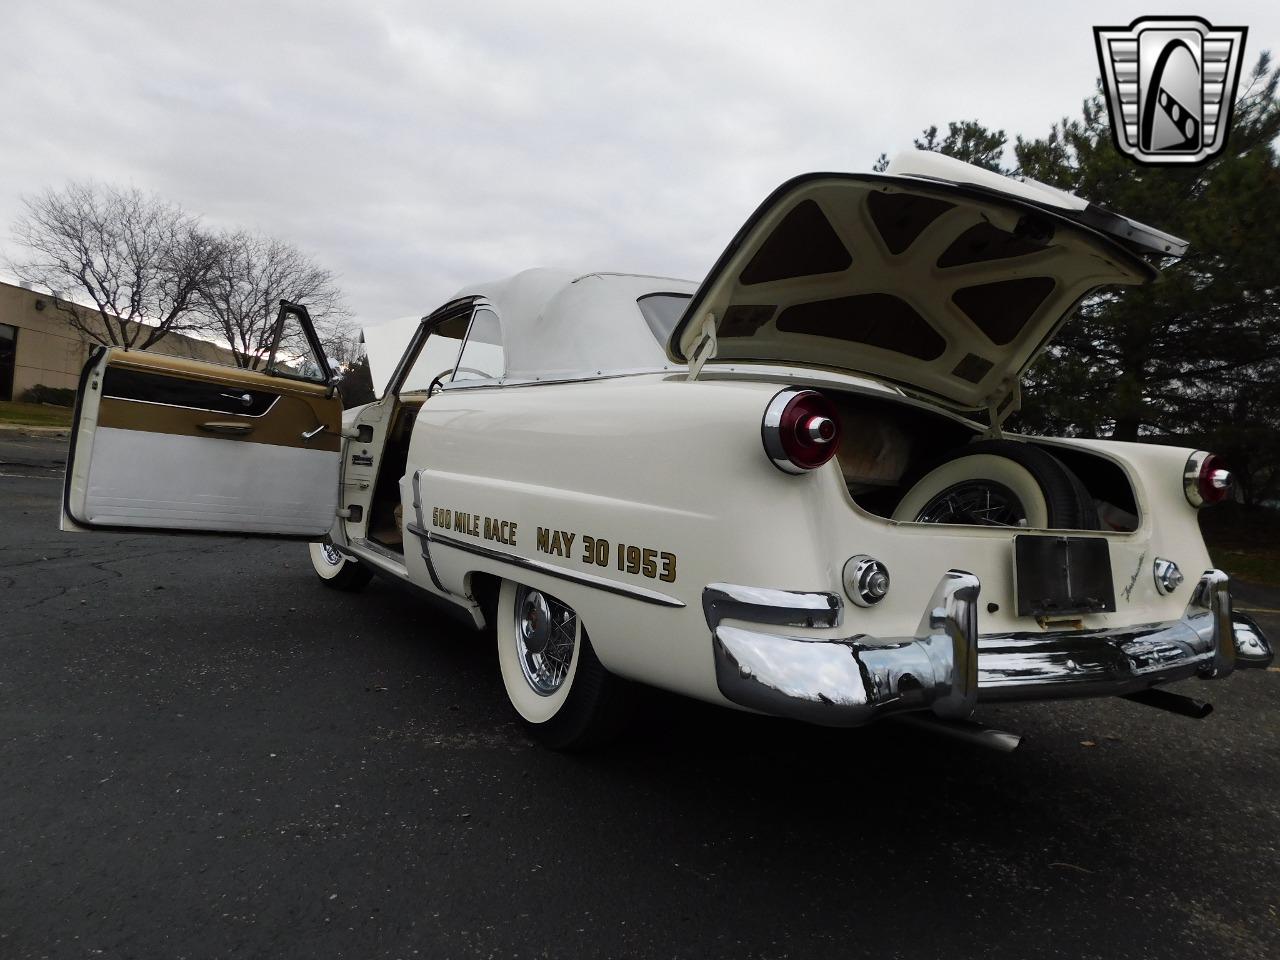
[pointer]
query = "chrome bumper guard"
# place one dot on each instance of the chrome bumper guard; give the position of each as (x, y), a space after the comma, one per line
(946, 667)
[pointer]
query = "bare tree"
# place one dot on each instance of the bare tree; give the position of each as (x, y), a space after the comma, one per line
(241, 295)
(340, 338)
(139, 259)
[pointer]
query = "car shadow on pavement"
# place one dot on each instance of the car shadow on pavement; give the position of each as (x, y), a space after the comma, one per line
(1102, 827)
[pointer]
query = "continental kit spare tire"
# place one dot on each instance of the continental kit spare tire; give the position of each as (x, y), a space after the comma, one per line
(1000, 483)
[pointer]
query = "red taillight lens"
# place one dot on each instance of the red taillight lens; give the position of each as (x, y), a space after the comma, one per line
(1206, 480)
(1215, 480)
(801, 430)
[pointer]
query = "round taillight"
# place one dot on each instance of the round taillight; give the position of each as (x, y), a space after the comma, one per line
(1205, 479)
(801, 430)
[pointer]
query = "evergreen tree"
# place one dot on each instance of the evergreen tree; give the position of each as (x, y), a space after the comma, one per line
(1195, 357)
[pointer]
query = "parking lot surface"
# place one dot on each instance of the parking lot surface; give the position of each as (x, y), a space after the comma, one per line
(205, 753)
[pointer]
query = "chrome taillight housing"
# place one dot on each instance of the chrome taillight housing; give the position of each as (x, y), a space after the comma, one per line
(1205, 480)
(800, 430)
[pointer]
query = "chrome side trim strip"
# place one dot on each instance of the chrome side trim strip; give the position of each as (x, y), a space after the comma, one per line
(582, 376)
(184, 406)
(586, 579)
(419, 531)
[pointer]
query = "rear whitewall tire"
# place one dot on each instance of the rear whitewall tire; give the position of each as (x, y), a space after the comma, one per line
(533, 706)
(586, 705)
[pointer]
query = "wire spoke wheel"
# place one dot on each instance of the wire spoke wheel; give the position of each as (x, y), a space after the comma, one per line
(330, 553)
(546, 635)
(553, 678)
(983, 503)
(1000, 483)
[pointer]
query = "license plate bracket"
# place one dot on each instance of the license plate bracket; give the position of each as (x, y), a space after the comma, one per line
(1056, 576)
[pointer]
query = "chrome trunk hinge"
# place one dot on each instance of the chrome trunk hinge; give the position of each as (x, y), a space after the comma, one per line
(1001, 405)
(705, 348)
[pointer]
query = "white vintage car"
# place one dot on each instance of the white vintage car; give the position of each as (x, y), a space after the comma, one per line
(784, 489)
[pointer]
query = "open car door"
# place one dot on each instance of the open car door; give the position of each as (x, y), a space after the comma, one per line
(172, 444)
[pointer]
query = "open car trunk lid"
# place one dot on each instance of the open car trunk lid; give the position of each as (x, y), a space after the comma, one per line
(940, 277)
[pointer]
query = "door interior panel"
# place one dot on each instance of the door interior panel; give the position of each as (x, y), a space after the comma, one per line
(283, 425)
(135, 387)
(149, 387)
(174, 444)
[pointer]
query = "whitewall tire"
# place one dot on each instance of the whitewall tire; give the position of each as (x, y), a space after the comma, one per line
(1005, 483)
(552, 676)
(997, 471)
(336, 570)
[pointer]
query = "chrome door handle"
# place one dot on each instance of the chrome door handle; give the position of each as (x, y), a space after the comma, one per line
(308, 434)
(228, 428)
(245, 399)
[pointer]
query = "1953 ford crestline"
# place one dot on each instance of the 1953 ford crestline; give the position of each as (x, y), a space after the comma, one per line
(785, 488)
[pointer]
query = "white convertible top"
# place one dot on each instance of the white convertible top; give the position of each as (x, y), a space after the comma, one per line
(560, 324)
(555, 324)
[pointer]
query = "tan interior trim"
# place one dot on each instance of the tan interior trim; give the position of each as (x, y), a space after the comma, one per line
(187, 369)
(301, 408)
(282, 426)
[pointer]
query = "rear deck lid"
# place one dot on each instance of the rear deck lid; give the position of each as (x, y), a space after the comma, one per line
(937, 276)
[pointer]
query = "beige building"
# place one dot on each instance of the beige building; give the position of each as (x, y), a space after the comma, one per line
(39, 346)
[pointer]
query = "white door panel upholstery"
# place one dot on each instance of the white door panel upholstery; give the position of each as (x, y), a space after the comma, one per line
(199, 483)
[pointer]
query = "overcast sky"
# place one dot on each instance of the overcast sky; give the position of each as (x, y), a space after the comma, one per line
(416, 147)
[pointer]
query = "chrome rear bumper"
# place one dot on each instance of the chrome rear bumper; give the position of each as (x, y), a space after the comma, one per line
(947, 667)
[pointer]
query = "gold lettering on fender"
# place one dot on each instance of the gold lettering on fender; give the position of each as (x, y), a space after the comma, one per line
(504, 531)
(556, 543)
(595, 550)
(646, 562)
(467, 523)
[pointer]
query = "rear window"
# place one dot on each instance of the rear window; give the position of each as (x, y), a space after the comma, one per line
(661, 311)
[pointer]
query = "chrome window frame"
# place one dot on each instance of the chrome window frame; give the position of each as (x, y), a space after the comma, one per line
(425, 326)
(477, 305)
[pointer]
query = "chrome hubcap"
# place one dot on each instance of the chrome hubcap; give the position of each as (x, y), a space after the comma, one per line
(983, 503)
(546, 633)
(331, 554)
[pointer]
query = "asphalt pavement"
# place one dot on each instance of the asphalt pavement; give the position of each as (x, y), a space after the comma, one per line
(204, 753)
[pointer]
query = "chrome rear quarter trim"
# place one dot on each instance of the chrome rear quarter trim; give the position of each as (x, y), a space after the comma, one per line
(782, 608)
